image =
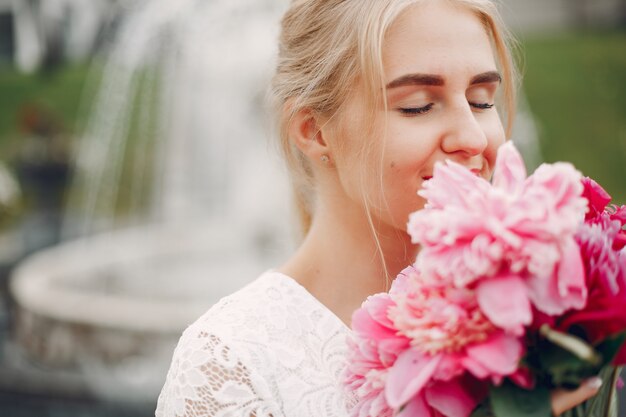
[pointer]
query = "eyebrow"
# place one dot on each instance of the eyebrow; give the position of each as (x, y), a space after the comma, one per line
(437, 80)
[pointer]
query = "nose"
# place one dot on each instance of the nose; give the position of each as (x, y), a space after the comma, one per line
(463, 133)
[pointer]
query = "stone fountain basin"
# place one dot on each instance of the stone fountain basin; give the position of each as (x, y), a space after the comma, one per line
(113, 306)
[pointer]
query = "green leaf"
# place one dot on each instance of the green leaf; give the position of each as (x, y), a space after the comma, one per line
(509, 400)
(610, 346)
(563, 367)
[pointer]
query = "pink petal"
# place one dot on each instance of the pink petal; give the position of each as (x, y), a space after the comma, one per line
(364, 410)
(417, 407)
(451, 366)
(379, 407)
(563, 290)
(411, 372)
(510, 172)
(497, 379)
(505, 303)
(475, 367)
(523, 377)
(377, 306)
(401, 283)
(389, 349)
(543, 293)
(451, 185)
(560, 183)
(597, 197)
(450, 399)
(500, 354)
(364, 325)
(571, 276)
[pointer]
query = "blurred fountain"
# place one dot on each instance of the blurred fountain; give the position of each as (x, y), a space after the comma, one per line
(176, 201)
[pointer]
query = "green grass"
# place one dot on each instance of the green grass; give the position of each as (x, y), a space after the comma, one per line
(576, 88)
(58, 93)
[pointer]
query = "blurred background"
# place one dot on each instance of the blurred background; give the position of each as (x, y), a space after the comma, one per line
(138, 183)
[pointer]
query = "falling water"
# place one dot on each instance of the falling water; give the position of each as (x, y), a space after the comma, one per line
(177, 132)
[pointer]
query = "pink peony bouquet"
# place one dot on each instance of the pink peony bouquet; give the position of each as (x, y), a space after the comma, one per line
(519, 287)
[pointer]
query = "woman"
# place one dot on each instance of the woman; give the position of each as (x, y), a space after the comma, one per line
(370, 95)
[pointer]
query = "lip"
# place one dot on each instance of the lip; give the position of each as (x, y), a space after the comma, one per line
(475, 171)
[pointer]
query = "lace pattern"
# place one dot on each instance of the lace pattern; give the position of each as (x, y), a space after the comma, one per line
(270, 349)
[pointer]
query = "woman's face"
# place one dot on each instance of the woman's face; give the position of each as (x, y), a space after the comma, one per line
(441, 80)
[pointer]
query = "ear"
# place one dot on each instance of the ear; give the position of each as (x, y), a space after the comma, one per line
(306, 133)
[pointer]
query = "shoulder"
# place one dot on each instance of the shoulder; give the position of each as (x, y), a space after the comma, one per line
(267, 301)
(212, 369)
(271, 345)
(272, 321)
(272, 311)
(258, 323)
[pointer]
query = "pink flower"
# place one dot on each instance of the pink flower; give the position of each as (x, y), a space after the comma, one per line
(389, 370)
(457, 397)
(601, 243)
(495, 260)
(515, 235)
(438, 317)
(453, 347)
(599, 210)
(373, 349)
(597, 198)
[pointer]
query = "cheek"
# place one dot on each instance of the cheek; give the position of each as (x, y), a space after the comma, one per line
(402, 179)
(408, 156)
(494, 131)
(409, 147)
(403, 173)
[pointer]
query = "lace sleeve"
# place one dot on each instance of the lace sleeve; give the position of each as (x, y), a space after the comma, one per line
(209, 378)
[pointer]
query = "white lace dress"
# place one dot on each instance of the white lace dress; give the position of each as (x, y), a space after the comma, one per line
(270, 349)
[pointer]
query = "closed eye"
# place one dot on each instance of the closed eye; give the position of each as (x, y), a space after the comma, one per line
(482, 106)
(416, 110)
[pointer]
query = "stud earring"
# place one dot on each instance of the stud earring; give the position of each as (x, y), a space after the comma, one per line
(325, 159)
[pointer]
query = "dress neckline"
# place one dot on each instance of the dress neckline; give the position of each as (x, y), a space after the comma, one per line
(299, 287)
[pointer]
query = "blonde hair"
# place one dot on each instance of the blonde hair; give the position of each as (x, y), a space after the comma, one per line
(326, 45)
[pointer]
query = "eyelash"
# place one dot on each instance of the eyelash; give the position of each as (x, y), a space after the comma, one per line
(416, 110)
(483, 106)
(421, 110)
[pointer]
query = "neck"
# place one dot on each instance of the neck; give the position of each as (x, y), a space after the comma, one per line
(340, 261)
